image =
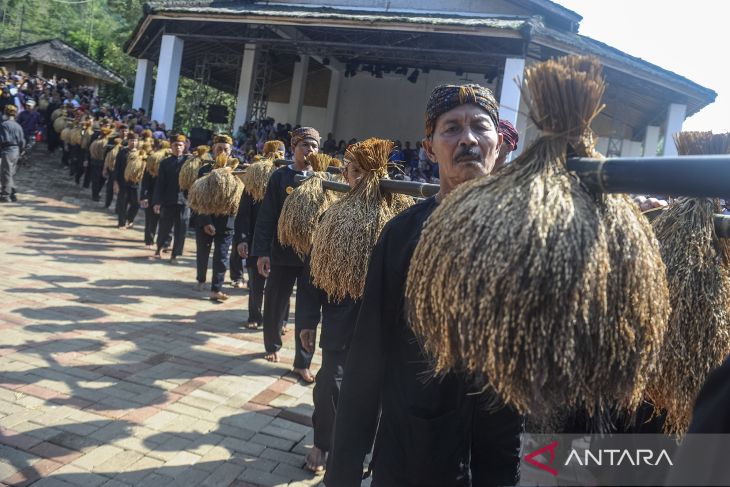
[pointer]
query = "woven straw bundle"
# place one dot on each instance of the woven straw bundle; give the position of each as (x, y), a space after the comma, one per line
(86, 134)
(75, 135)
(96, 149)
(156, 157)
(223, 160)
(134, 170)
(216, 193)
(256, 178)
(191, 166)
(59, 123)
(556, 296)
(301, 213)
(698, 270)
(111, 157)
(57, 113)
(349, 229)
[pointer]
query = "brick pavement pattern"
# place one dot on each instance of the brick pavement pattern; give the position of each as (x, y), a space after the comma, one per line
(114, 371)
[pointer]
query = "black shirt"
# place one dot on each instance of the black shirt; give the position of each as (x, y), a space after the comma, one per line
(265, 240)
(167, 187)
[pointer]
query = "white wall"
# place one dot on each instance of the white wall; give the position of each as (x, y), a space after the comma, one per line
(390, 107)
(311, 116)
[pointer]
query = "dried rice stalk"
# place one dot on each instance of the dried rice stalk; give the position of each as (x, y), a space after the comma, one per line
(59, 123)
(111, 158)
(57, 113)
(190, 168)
(698, 270)
(224, 160)
(543, 300)
(74, 136)
(96, 149)
(256, 178)
(86, 134)
(301, 213)
(156, 157)
(216, 193)
(349, 229)
(134, 170)
(320, 161)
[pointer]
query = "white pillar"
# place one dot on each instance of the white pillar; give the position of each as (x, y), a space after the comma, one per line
(509, 96)
(39, 70)
(143, 85)
(675, 118)
(168, 75)
(333, 101)
(245, 83)
(298, 85)
(651, 141)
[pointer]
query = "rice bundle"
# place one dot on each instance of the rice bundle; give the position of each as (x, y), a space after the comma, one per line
(134, 170)
(256, 178)
(558, 297)
(111, 157)
(57, 113)
(75, 135)
(301, 213)
(224, 160)
(59, 124)
(189, 171)
(216, 193)
(349, 229)
(698, 271)
(96, 149)
(156, 157)
(320, 162)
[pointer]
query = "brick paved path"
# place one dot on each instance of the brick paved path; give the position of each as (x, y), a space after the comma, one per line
(114, 371)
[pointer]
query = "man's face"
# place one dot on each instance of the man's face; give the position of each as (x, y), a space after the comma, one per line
(304, 148)
(177, 148)
(353, 173)
(132, 143)
(124, 133)
(220, 148)
(465, 144)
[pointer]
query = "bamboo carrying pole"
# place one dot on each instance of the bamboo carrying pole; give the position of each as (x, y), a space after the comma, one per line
(698, 176)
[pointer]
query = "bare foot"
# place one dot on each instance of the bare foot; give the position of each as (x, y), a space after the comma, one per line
(305, 374)
(316, 460)
(272, 357)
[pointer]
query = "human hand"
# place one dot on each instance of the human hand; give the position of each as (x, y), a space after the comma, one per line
(264, 266)
(156, 209)
(209, 229)
(242, 250)
(309, 339)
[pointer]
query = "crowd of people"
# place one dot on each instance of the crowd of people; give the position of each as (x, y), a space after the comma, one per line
(369, 393)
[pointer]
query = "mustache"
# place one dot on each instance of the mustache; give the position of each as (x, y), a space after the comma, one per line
(468, 154)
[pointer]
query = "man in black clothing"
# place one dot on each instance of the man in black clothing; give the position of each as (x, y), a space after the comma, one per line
(122, 133)
(214, 231)
(151, 219)
(243, 230)
(171, 203)
(430, 431)
(278, 264)
(127, 191)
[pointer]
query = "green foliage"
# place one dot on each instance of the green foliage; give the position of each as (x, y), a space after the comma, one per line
(99, 28)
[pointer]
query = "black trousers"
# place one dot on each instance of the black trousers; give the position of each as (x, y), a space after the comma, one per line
(76, 160)
(109, 191)
(279, 287)
(221, 243)
(256, 284)
(173, 217)
(65, 156)
(128, 204)
(151, 220)
(87, 169)
(236, 266)
(326, 392)
(97, 178)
